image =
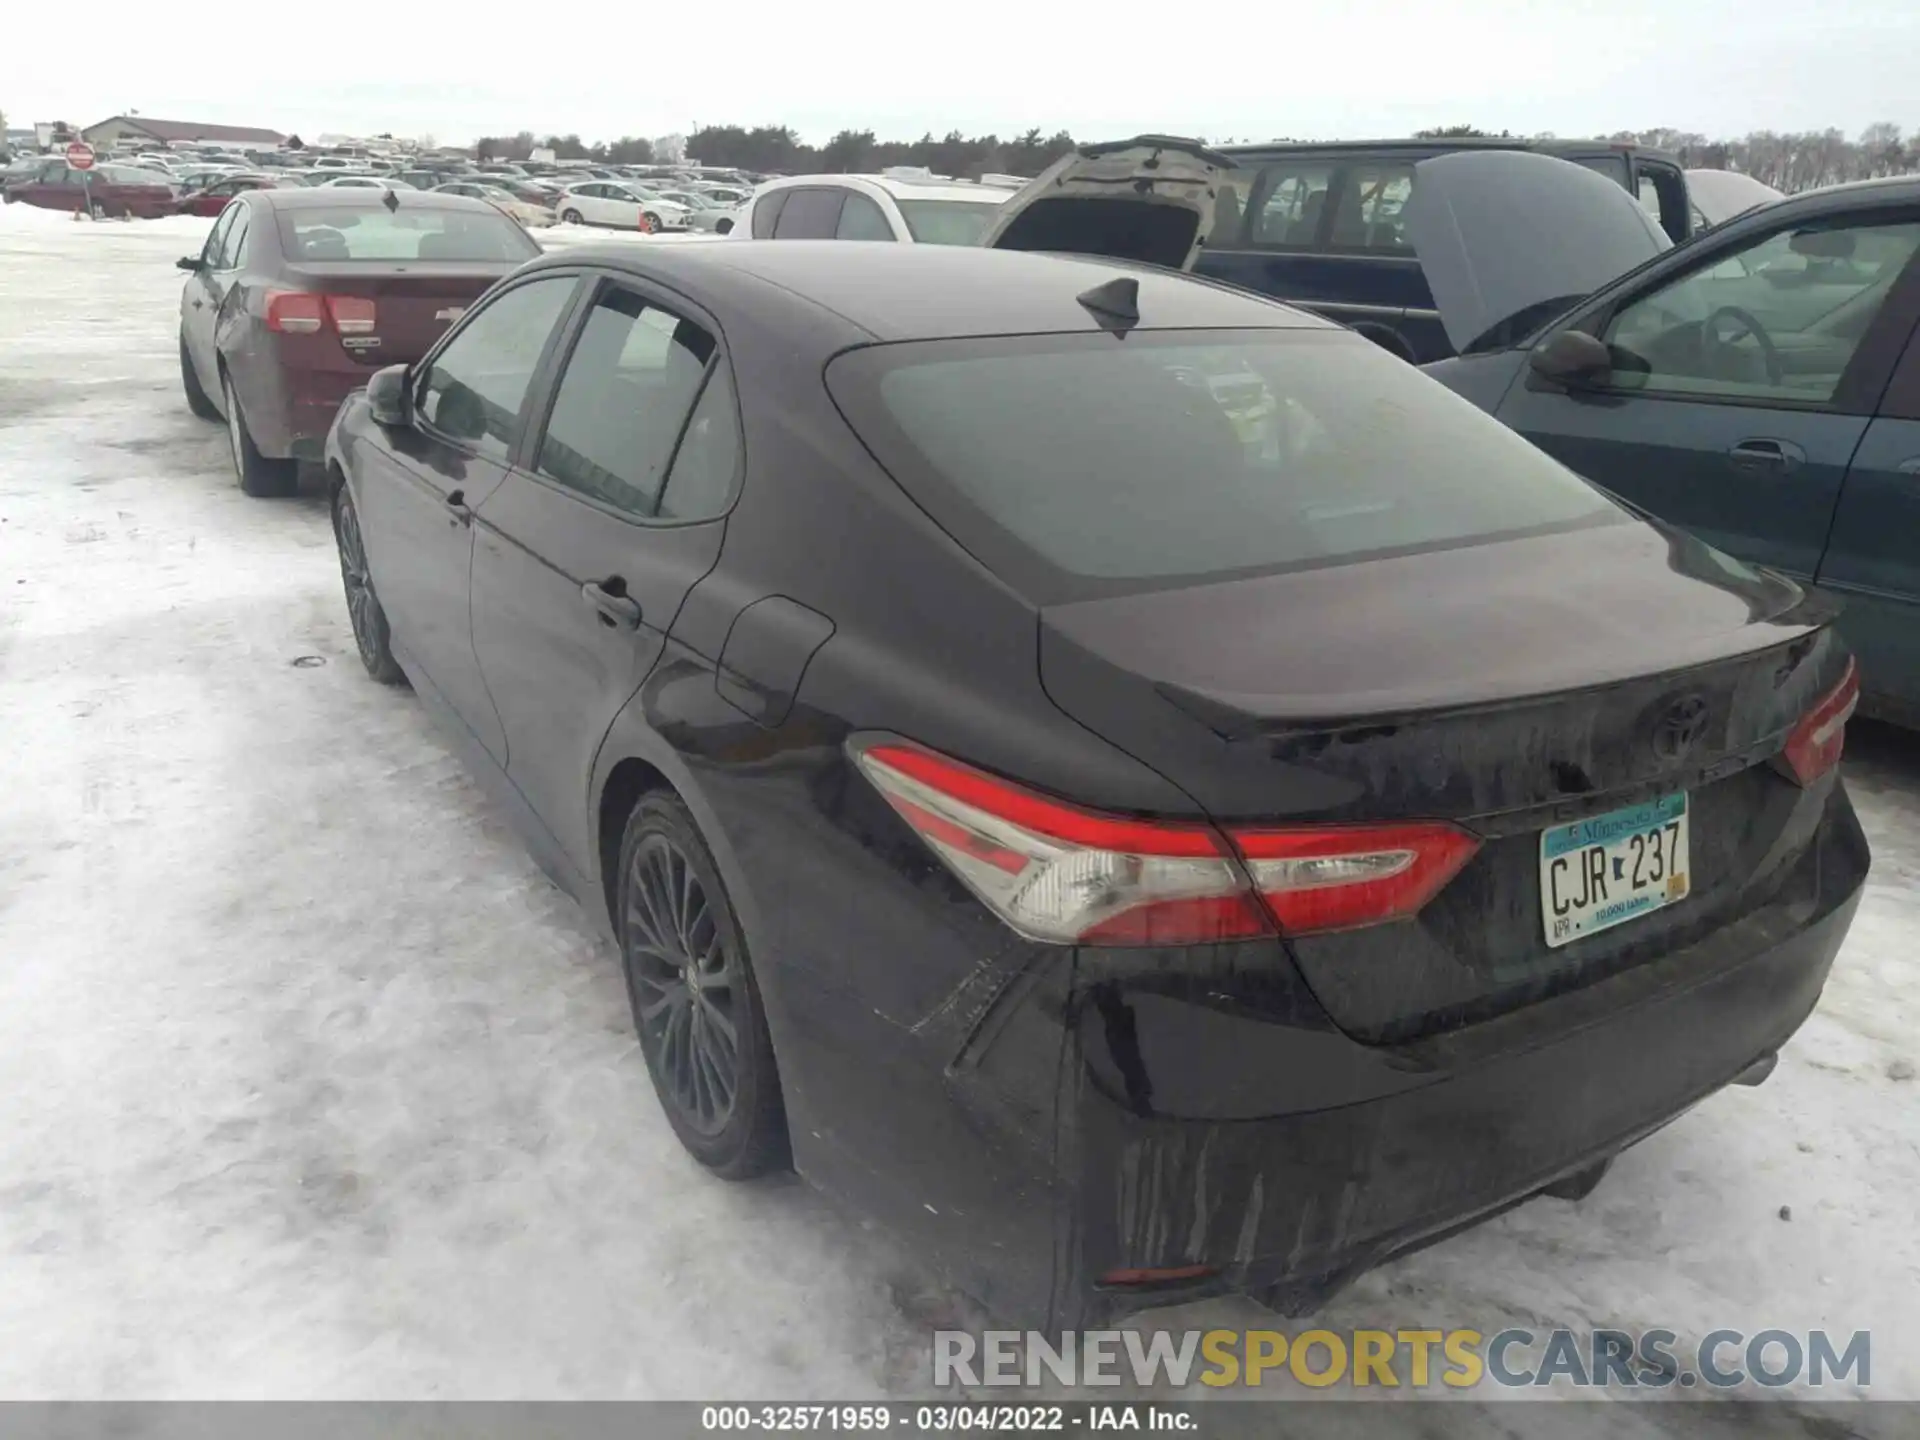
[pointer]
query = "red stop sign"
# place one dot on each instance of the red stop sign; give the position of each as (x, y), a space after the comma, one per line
(80, 155)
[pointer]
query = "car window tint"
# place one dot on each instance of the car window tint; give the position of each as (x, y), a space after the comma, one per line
(861, 219)
(1294, 197)
(476, 385)
(217, 237)
(1778, 319)
(809, 214)
(766, 213)
(700, 485)
(233, 250)
(948, 222)
(1367, 215)
(411, 231)
(1179, 456)
(621, 403)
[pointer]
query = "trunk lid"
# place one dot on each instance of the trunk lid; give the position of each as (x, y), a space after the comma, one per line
(1504, 232)
(1148, 199)
(413, 303)
(1511, 688)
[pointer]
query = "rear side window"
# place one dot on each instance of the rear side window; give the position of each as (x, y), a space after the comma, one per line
(1367, 211)
(766, 213)
(415, 231)
(1292, 201)
(1078, 465)
(478, 382)
(809, 215)
(861, 219)
(623, 401)
(948, 222)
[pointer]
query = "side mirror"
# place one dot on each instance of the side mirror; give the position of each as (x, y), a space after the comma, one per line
(1572, 358)
(190, 262)
(389, 398)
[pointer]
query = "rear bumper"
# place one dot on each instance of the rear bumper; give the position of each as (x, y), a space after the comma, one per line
(290, 409)
(1401, 1145)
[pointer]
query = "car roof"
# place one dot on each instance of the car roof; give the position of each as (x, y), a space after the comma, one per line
(925, 292)
(1440, 145)
(897, 187)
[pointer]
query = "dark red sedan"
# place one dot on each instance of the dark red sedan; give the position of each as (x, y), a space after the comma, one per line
(106, 191)
(300, 294)
(213, 198)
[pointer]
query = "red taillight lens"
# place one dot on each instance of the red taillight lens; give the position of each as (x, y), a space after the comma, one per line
(1058, 873)
(352, 314)
(1817, 741)
(1343, 877)
(293, 312)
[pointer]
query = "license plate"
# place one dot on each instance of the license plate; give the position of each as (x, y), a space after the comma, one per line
(1613, 868)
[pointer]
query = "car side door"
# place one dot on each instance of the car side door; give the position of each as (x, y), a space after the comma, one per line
(1737, 386)
(1872, 559)
(417, 492)
(583, 555)
(200, 302)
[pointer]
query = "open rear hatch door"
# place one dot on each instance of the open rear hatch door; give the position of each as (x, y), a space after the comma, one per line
(1149, 199)
(1508, 239)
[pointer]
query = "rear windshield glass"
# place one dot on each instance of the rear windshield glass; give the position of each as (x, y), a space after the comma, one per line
(410, 232)
(947, 222)
(1086, 464)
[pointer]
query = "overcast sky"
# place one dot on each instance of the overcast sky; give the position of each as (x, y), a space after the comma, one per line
(1344, 68)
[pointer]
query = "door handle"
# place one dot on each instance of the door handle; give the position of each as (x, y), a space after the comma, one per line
(618, 610)
(457, 504)
(1774, 456)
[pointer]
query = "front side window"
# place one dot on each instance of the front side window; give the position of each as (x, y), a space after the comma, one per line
(622, 402)
(475, 387)
(1074, 466)
(233, 250)
(766, 213)
(1295, 198)
(216, 239)
(1779, 319)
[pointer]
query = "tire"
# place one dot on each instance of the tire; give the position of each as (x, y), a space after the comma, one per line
(370, 630)
(723, 227)
(95, 210)
(570, 217)
(197, 399)
(259, 477)
(653, 221)
(690, 982)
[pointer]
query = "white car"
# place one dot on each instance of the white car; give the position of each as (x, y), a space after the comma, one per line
(927, 211)
(366, 182)
(619, 204)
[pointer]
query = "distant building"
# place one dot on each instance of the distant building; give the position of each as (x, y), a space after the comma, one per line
(136, 128)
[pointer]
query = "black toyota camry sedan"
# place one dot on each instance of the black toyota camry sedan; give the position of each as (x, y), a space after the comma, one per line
(1124, 780)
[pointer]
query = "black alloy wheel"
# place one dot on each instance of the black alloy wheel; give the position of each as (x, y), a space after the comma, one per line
(695, 1002)
(369, 621)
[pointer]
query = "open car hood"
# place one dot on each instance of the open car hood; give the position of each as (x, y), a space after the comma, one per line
(1502, 232)
(1719, 195)
(1149, 199)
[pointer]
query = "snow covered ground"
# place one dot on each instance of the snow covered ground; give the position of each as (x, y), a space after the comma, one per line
(314, 1087)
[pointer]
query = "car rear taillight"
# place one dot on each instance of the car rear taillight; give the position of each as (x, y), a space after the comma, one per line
(1818, 739)
(293, 312)
(299, 312)
(1343, 877)
(352, 314)
(1058, 873)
